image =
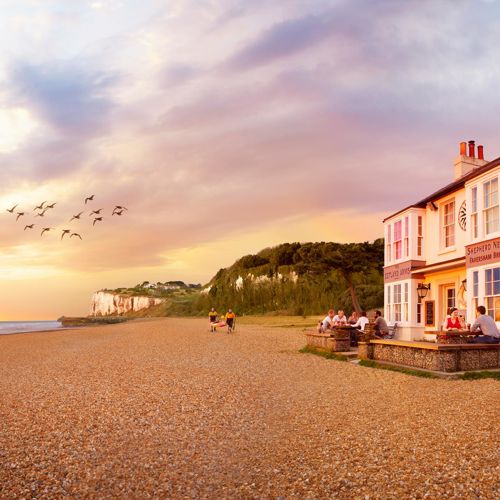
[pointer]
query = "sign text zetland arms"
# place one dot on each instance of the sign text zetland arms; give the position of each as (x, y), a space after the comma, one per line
(486, 252)
(401, 271)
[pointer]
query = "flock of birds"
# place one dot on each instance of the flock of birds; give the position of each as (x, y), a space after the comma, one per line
(42, 209)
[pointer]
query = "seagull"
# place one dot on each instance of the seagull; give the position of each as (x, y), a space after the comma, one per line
(29, 227)
(11, 210)
(117, 212)
(118, 207)
(40, 207)
(50, 206)
(90, 198)
(65, 231)
(42, 213)
(76, 217)
(97, 219)
(75, 234)
(46, 229)
(19, 214)
(95, 212)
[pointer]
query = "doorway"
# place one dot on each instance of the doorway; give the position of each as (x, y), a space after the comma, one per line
(449, 300)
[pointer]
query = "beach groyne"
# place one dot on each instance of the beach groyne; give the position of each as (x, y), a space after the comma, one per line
(112, 304)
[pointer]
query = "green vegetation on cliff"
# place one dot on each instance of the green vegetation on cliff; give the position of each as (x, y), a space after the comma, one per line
(292, 278)
(300, 278)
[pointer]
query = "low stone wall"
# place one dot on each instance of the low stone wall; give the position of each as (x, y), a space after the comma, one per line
(327, 342)
(436, 357)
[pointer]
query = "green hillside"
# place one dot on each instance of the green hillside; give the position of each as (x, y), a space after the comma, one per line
(300, 279)
(292, 278)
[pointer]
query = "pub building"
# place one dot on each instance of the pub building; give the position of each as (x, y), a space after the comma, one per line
(444, 251)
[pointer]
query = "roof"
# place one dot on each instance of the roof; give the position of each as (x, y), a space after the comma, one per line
(450, 188)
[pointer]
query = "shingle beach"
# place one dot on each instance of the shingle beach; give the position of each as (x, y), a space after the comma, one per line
(165, 409)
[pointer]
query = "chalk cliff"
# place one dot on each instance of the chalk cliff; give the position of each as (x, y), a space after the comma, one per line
(107, 303)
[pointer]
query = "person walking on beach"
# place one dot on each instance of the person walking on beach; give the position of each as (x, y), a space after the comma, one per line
(212, 318)
(230, 320)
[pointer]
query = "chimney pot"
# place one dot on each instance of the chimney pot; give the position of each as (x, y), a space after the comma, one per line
(472, 152)
(463, 149)
(480, 152)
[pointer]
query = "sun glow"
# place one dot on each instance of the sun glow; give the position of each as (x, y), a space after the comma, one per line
(15, 125)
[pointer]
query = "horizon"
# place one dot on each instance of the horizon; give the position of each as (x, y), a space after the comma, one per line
(317, 121)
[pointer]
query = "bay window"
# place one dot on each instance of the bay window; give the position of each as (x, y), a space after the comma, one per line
(490, 199)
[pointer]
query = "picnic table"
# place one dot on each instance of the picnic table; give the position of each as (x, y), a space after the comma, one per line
(456, 336)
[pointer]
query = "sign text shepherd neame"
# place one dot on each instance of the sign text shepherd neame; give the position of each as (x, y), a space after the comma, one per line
(485, 252)
(401, 271)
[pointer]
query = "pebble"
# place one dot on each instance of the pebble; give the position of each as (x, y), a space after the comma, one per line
(164, 409)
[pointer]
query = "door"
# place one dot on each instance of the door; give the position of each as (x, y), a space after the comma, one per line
(449, 301)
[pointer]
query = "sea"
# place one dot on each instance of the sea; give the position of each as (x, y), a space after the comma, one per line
(7, 327)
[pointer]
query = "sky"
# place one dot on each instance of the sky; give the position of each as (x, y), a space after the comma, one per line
(224, 127)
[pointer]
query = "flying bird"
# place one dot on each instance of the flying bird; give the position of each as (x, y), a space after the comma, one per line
(51, 206)
(65, 231)
(75, 234)
(30, 226)
(118, 207)
(97, 219)
(95, 212)
(11, 210)
(76, 216)
(118, 212)
(46, 229)
(19, 214)
(39, 207)
(42, 213)
(90, 198)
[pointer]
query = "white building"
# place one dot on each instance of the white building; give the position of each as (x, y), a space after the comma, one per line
(444, 251)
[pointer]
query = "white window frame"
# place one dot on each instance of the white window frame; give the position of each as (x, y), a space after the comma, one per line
(448, 224)
(474, 223)
(400, 241)
(420, 235)
(490, 206)
(406, 236)
(396, 303)
(490, 299)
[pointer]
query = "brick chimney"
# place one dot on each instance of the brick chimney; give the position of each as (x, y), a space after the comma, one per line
(467, 161)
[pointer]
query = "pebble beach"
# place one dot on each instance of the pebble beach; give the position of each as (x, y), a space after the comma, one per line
(163, 408)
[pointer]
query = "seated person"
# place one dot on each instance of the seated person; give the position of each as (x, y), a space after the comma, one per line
(487, 326)
(327, 323)
(381, 328)
(362, 321)
(454, 322)
(340, 318)
(353, 318)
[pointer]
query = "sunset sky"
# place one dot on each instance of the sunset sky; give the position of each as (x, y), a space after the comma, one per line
(224, 127)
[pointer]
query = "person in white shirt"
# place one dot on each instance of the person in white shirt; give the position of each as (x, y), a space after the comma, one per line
(362, 322)
(340, 318)
(487, 326)
(328, 323)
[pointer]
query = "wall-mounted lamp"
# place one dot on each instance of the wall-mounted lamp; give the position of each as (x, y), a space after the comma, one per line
(422, 290)
(464, 284)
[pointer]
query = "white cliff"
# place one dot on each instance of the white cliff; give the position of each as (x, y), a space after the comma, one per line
(110, 304)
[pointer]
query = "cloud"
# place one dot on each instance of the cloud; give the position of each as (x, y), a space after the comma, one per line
(76, 102)
(281, 40)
